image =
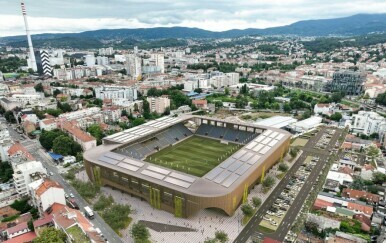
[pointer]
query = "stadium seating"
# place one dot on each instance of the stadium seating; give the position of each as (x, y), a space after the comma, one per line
(224, 133)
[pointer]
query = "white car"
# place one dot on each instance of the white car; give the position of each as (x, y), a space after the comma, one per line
(273, 223)
(51, 174)
(270, 213)
(72, 195)
(66, 195)
(266, 218)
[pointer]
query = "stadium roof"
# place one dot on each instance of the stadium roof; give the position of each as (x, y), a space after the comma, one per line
(277, 121)
(224, 177)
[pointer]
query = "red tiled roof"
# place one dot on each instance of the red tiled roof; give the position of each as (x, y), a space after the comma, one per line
(49, 121)
(368, 167)
(43, 221)
(356, 194)
(200, 102)
(270, 240)
(77, 132)
(24, 238)
(320, 204)
(346, 170)
(17, 228)
(360, 208)
(18, 148)
(322, 105)
(47, 184)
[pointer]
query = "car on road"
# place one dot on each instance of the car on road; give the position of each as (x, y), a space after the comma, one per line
(270, 213)
(51, 174)
(72, 195)
(66, 195)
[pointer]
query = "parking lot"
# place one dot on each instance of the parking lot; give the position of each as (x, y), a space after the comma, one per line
(274, 216)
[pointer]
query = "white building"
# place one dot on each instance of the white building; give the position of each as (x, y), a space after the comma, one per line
(5, 142)
(25, 99)
(90, 60)
(190, 85)
(368, 122)
(325, 109)
(159, 61)
(106, 51)
(158, 104)
(48, 124)
(26, 173)
(44, 193)
(102, 60)
(134, 66)
(234, 78)
(80, 113)
(306, 124)
(116, 92)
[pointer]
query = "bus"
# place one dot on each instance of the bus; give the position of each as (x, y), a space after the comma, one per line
(89, 213)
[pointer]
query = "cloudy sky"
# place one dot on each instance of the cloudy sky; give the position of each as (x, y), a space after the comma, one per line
(52, 16)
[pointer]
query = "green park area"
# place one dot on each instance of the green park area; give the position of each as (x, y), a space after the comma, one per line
(195, 155)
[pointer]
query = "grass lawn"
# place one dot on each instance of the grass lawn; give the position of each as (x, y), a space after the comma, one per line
(264, 229)
(195, 155)
(299, 142)
(77, 234)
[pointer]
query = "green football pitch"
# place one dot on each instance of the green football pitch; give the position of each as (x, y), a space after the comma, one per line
(195, 155)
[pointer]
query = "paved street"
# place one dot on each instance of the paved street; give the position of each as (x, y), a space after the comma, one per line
(251, 229)
(34, 147)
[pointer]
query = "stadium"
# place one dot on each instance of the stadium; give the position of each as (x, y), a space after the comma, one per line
(188, 163)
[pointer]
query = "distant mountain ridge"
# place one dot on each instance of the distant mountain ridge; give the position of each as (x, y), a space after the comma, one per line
(359, 24)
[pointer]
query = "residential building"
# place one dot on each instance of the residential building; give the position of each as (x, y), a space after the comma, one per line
(8, 104)
(158, 104)
(357, 195)
(159, 61)
(5, 142)
(101, 60)
(134, 66)
(90, 60)
(73, 223)
(48, 124)
(116, 92)
(17, 230)
(200, 104)
(43, 63)
(85, 140)
(325, 109)
(26, 173)
(368, 122)
(45, 192)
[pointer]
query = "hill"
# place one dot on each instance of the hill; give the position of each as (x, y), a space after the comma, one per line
(359, 24)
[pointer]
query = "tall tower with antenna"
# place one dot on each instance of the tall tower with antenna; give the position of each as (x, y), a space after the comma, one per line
(32, 59)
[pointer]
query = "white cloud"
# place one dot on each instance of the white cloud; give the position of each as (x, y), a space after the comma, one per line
(81, 15)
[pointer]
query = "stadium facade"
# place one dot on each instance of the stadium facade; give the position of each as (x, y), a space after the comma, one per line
(119, 163)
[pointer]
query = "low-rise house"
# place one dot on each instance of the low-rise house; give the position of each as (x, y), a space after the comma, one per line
(341, 237)
(17, 230)
(321, 204)
(365, 222)
(325, 109)
(24, 238)
(357, 195)
(48, 124)
(76, 226)
(343, 178)
(359, 208)
(200, 104)
(43, 223)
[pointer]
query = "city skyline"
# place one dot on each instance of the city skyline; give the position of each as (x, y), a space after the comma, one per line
(57, 16)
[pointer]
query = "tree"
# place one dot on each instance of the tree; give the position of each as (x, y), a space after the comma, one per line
(56, 92)
(221, 236)
(244, 89)
(47, 138)
(336, 116)
(226, 91)
(6, 172)
(124, 113)
(9, 117)
(103, 202)
(283, 167)
(39, 87)
(96, 131)
(256, 202)
(293, 152)
(268, 182)
(198, 90)
(51, 234)
(286, 107)
(379, 178)
(64, 145)
(306, 114)
(140, 233)
(337, 97)
(137, 122)
(247, 210)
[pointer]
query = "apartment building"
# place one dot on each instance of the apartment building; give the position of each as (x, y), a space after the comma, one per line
(116, 92)
(85, 140)
(158, 104)
(44, 193)
(26, 173)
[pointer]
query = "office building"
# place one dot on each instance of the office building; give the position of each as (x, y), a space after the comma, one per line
(347, 82)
